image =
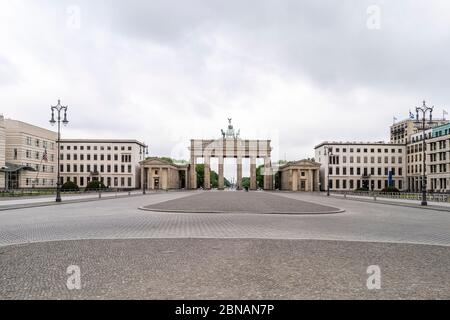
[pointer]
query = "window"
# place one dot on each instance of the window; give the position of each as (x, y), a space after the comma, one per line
(28, 141)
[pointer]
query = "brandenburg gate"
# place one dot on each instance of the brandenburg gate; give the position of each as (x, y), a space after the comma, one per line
(231, 146)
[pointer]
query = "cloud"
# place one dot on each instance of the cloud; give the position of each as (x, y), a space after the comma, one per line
(169, 71)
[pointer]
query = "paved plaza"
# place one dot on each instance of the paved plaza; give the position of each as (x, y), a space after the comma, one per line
(238, 202)
(125, 252)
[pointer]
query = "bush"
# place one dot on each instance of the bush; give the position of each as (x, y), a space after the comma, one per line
(95, 185)
(70, 186)
(390, 189)
(362, 190)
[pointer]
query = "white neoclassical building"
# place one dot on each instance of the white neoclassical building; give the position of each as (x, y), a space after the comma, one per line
(114, 162)
(355, 165)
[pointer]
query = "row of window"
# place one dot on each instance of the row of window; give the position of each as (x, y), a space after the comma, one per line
(441, 156)
(39, 182)
(438, 168)
(40, 143)
(365, 171)
(34, 155)
(335, 159)
(351, 184)
(95, 168)
(95, 157)
(415, 169)
(365, 150)
(415, 158)
(438, 145)
(116, 148)
(107, 181)
(415, 148)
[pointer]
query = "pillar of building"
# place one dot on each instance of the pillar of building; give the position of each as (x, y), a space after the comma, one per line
(221, 178)
(310, 180)
(293, 179)
(142, 178)
(239, 173)
(267, 173)
(193, 173)
(207, 173)
(317, 181)
(252, 173)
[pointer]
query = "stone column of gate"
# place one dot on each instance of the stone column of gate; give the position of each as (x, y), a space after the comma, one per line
(193, 173)
(267, 173)
(252, 173)
(239, 173)
(207, 174)
(221, 178)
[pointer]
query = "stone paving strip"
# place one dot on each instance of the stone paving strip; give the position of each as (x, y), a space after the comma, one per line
(241, 202)
(223, 269)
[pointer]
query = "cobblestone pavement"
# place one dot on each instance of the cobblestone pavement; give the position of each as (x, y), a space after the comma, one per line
(121, 219)
(223, 269)
(240, 202)
(147, 254)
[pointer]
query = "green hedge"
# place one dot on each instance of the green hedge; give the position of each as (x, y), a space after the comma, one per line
(70, 186)
(95, 185)
(390, 189)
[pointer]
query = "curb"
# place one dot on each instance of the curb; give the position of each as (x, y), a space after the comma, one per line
(48, 204)
(241, 212)
(435, 208)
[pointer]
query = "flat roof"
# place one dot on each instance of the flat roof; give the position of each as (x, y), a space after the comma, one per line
(360, 143)
(103, 141)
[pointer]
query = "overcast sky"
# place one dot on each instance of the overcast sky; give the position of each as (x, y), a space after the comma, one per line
(163, 72)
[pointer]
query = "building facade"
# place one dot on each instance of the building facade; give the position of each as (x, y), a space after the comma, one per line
(414, 157)
(30, 156)
(159, 174)
(113, 162)
(438, 159)
(2, 152)
(361, 165)
(401, 132)
(303, 175)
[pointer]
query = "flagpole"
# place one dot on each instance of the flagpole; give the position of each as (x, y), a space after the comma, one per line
(37, 174)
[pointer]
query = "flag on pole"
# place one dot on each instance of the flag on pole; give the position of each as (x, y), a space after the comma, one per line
(44, 156)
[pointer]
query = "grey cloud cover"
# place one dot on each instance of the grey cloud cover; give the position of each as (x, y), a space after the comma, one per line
(167, 71)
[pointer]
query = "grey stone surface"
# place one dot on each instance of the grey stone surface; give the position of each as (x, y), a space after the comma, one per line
(241, 202)
(223, 269)
(120, 219)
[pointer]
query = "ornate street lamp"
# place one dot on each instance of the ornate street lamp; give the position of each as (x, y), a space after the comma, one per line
(423, 110)
(329, 155)
(58, 108)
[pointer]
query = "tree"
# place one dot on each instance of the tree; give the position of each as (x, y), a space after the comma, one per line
(95, 185)
(260, 176)
(70, 186)
(214, 177)
(245, 182)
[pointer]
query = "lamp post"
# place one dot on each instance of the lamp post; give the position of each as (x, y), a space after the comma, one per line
(58, 108)
(423, 110)
(329, 154)
(143, 151)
